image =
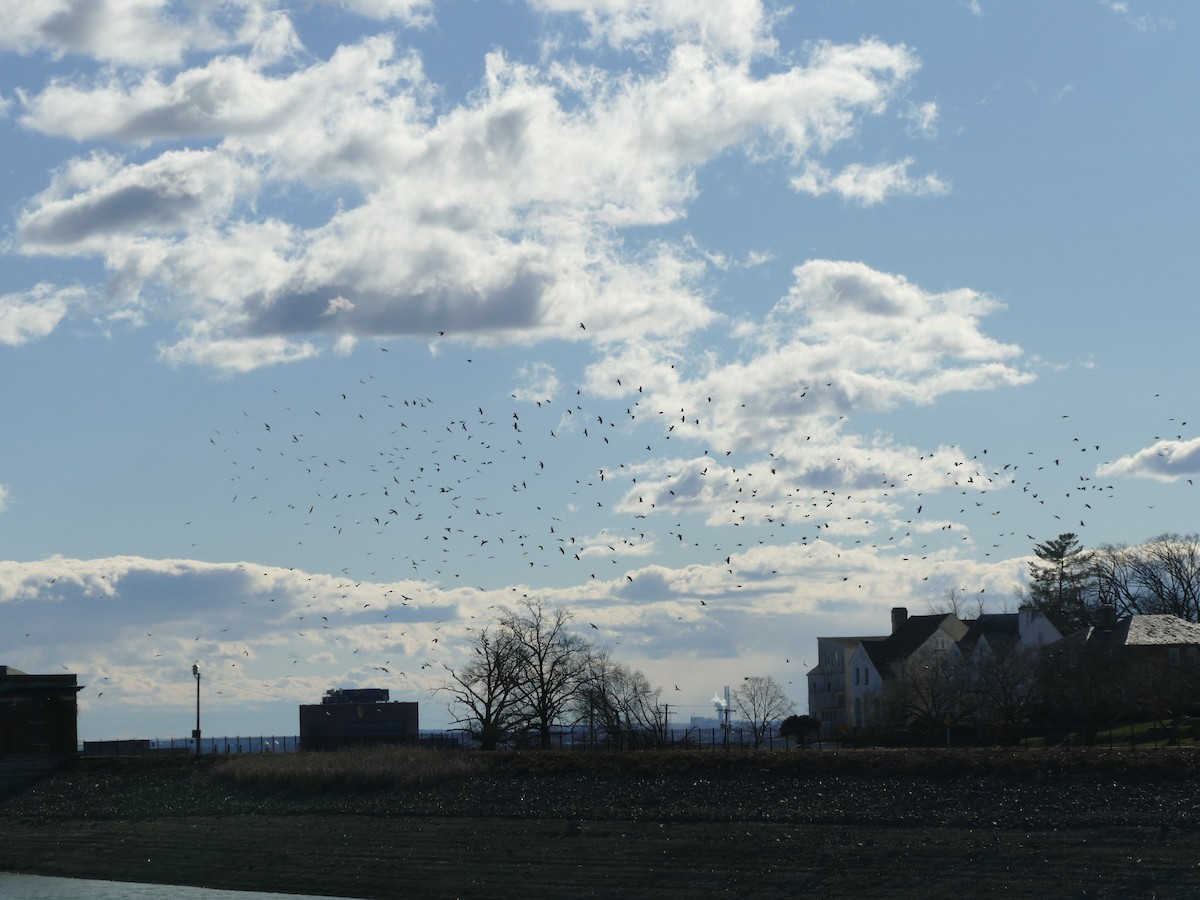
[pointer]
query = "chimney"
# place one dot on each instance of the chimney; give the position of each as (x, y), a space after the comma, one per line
(1106, 617)
(899, 617)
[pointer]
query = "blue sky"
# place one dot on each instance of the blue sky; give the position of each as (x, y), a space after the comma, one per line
(327, 328)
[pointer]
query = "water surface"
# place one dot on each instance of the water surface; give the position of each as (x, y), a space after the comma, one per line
(40, 887)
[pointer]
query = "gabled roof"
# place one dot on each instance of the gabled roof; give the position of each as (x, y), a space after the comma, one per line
(904, 642)
(1002, 630)
(992, 624)
(848, 643)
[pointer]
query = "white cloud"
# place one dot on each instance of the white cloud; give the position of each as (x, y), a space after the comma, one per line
(411, 12)
(538, 382)
(500, 219)
(1163, 461)
(924, 118)
(266, 638)
(845, 340)
(132, 32)
(231, 97)
(868, 185)
(736, 26)
(97, 202)
(33, 314)
(338, 305)
(3, 497)
(1142, 23)
(233, 355)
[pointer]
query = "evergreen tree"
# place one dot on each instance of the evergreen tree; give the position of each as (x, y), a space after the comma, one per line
(1060, 583)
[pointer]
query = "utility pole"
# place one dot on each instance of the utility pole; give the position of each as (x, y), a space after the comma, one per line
(196, 733)
(726, 717)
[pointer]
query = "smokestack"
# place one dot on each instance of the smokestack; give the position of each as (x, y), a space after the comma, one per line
(1106, 617)
(899, 617)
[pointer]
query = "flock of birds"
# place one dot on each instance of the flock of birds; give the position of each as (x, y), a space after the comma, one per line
(420, 501)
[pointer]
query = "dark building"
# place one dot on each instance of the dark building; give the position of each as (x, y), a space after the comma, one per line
(37, 714)
(357, 716)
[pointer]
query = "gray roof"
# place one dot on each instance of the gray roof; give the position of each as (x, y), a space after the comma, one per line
(889, 654)
(1148, 631)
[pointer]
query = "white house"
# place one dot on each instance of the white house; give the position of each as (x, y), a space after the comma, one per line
(878, 667)
(827, 682)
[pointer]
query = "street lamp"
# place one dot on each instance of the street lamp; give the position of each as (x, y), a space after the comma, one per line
(196, 733)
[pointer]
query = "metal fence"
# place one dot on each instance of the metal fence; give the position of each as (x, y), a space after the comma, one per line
(1185, 733)
(561, 739)
(228, 745)
(582, 738)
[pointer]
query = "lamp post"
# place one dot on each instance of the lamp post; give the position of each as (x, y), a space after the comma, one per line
(196, 733)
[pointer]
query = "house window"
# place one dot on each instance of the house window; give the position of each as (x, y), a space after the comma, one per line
(866, 676)
(856, 676)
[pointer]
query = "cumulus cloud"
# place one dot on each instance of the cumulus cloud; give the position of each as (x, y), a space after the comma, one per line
(846, 340)
(1162, 461)
(28, 315)
(503, 218)
(231, 97)
(97, 202)
(132, 32)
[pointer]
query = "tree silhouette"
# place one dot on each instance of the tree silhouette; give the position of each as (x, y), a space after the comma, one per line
(794, 727)
(1060, 582)
(484, 691)
(551, 664)
(761, 701)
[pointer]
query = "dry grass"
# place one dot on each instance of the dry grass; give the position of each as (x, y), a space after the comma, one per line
(353, 769)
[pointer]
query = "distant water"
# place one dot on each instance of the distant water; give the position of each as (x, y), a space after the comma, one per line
(38, 887)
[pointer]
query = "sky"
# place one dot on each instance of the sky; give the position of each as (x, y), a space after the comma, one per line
(330, 329)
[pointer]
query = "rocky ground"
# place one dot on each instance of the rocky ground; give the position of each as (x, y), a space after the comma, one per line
(893, 824)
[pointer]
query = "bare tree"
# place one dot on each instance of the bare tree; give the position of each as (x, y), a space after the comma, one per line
(621, 702)
(1161, 576)
(761, 701)
(955, 601)
(929, 693)
(484, 691)
(552, 663)
(1003, 685)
